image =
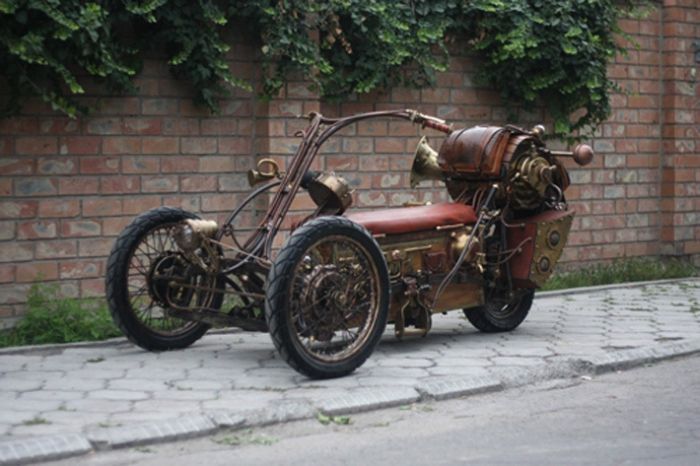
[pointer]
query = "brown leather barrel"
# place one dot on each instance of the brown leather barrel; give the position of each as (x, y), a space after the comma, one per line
(476, 152)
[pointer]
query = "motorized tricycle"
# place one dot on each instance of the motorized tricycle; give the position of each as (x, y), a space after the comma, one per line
(327, 294)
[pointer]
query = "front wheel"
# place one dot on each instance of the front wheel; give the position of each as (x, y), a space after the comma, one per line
(500, 314)
(327, 298)
(141, 267)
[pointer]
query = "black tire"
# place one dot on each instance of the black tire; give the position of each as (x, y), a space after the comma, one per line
(120, 277)
(499, 315)
(306, 307)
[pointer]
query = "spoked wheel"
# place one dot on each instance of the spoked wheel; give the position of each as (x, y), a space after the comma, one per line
(146, 274)
(327, 298)
(500, 314)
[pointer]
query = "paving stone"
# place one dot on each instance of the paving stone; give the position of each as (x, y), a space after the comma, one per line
(11, 384)
(97, 406)
(195, 395)
(43, 449)
(160, 431)
(201, 385)
(118, 395)
(73, 384)
(32, 375)
(365, 400)
(131, 384)
(61, 395)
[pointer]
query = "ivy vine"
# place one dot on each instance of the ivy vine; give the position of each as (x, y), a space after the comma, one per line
(551, 52)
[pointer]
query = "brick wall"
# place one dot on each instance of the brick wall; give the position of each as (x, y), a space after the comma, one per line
(68, 187)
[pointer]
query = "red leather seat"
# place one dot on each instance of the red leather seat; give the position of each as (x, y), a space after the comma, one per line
(409, 219)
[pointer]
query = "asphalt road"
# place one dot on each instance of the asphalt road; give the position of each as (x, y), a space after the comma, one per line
(645, 416)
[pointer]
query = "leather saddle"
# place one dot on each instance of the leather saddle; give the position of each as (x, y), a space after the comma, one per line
(411, 219)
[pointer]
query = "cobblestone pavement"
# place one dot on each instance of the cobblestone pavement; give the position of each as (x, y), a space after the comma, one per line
(81, 390)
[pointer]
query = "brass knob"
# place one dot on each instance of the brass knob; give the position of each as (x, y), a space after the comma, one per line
(583, 154)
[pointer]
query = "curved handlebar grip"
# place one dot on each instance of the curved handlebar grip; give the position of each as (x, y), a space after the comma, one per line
(447, 129)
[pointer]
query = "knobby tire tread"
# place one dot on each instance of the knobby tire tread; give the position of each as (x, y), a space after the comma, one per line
(277, 290)
(115, 278)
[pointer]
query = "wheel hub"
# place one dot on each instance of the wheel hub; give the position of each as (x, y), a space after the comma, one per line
(166, 272)
(323, 300)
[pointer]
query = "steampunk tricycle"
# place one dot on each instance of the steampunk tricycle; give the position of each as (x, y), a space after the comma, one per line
(326, 295)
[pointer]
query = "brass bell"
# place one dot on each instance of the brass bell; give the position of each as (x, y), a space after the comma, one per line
(259, 174)
(425, 165)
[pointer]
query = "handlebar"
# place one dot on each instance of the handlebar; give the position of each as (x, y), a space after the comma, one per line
(582, 154)
(442, 127)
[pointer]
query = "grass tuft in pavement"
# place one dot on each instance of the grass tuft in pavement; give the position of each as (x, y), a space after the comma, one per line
(51, 318)
(622, 271)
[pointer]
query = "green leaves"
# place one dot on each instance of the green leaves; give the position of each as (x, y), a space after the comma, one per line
(552, 53)
(326, 420)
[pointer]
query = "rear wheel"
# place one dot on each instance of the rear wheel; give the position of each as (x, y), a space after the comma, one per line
(501, 314)
(327, 297)
(141, 269)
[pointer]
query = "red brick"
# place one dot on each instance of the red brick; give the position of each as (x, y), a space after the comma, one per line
(102, 207)
(78, 185)
(216, 164)
(57, 166)
(143, 126)
(112, 226)
(198, 183)
(139, 204)
(34, 271)
(16, 166)
(7, 273)
(374, 163)
(140, 164)
(118, 106)
(80, 269)
(18, 209)
(75, 228)
(179, 164)
(92, 288)
(35, 186)
(59, 208)
(160, 145)
(56, 249)
(94, 247)
(181, 126)
(198, 145)
(18, 125)
(36, 229)
(224, 126)
(233, 145)
(159, 106)
(159, 184)
(104, 126)
(36, 145)
(5, 187)
(121, 145)
(99, 165)
(120, 184)
(341, 162)
(389, 145)
(80, 145)
(219, 202)
(186, 202)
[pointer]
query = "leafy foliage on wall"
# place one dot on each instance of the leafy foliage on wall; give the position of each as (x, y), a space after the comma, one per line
(551, 51)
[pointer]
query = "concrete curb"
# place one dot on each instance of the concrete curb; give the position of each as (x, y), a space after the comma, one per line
(33, 450)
